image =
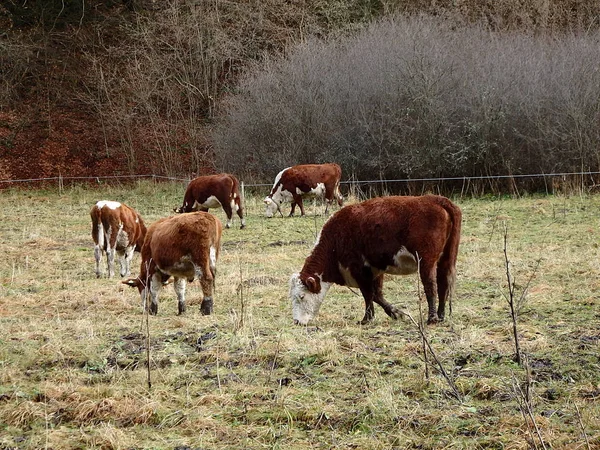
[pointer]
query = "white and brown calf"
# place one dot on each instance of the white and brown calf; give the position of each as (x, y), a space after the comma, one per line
(186, 247)
(116, 229)
(361, 243)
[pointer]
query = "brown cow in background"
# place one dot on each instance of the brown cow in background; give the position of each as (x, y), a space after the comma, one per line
(214, 191)
(307, 180)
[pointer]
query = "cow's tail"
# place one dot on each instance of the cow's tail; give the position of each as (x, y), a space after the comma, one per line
(450, 255)
(97, 227)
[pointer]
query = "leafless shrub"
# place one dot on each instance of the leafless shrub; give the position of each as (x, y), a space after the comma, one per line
(418, 97)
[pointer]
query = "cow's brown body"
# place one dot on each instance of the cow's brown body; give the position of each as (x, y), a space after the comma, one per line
(394, 235)
(294, 183)
(214, 191)
(116, 229)
(186, 247)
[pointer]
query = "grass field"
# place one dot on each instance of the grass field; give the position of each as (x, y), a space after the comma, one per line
(73, 347)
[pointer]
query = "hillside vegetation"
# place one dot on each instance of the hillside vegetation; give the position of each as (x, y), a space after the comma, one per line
(139, 86)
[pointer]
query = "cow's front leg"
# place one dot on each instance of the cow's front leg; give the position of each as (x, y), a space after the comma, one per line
(389, 309)
(291, 214)
(110, 258)
(366, 283)
(155, 287)
(179, 286)
(126, 261)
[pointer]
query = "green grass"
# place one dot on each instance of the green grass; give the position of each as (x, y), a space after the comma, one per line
(73, 353)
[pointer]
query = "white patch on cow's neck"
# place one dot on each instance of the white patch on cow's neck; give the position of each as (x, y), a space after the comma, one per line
(347, 276)
(110, 204)
(278, 177)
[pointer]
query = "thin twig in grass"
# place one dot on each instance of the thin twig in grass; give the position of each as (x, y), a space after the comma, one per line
(449, 380)
(515, 304)
(527, 412)
(274, 360)
(585, 436)
(240, 323)
(146, 319)
(421, 324)
(218, 375)
(511, 297)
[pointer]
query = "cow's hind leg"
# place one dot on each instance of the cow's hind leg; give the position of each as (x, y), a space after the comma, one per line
(445, 283)
(179, 286)
(429, 280)
(98, 256)
(228, 213)
(240, 212)
(206, 275)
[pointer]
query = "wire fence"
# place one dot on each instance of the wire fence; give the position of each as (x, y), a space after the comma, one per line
(465, 179)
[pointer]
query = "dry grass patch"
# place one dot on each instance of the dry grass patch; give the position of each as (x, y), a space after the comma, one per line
(73, 369)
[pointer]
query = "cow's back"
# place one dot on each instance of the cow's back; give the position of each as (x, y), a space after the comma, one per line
(379, 227)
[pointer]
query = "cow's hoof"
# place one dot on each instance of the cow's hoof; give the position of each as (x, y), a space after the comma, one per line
(432, 320)
(206, 308)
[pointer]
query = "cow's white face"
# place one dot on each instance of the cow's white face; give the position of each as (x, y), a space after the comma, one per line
(270, 207)
(305, 304)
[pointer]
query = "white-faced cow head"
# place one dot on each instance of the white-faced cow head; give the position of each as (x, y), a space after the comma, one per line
(306, 298)
(272, 206)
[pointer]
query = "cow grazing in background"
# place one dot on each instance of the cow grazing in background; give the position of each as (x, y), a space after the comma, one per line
(393, 235)
(308, 180)
(214, 191)
(116, 228)
(186, 247)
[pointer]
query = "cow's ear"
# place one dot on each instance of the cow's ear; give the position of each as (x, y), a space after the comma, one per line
(313, 285)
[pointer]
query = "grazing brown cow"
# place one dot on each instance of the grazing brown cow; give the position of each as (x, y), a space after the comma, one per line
(116, 228)
(308, 180)
(186, 247)
(362, 242)
(214, 191)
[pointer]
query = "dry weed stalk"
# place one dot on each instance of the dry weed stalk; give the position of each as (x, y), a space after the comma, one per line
(421, 323)
(524, 400)
(515, 304)
(580, 421)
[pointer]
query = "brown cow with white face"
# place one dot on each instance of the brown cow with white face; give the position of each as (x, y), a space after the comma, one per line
(361, 243)
(116, 228)
(214, 191)
(307, 180)
(186, 247)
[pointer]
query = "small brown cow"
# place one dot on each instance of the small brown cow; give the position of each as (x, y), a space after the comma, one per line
(186, 247)
(214, 191)
(116, 228)
(307, 180)
(394, 235)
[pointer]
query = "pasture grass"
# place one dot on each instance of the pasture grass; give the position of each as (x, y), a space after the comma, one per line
(73, 347)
